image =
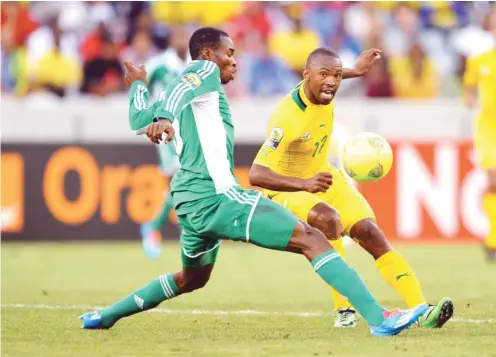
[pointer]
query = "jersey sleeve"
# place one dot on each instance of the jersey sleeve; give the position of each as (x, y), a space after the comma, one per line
(140, 115)
(280, 135)
(470, 78)
(199, 79)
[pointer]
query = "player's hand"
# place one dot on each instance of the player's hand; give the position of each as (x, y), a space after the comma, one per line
(155, 131)
(133, 73)
(366, 60)
(319, 183)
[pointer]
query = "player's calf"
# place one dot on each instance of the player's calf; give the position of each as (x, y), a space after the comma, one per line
(399, 274)
(308, 241)
(371, 238)
(329, 265)
(191, 279)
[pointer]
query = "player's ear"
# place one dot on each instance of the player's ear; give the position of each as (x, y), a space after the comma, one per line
(207, 54)
(306, 74)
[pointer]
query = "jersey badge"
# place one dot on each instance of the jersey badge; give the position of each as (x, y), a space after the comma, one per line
(192, 79)
(275, 138)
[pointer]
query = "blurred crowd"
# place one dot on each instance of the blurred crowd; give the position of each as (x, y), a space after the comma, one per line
(75, 48)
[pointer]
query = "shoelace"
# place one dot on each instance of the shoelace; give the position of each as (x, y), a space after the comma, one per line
(344, 315)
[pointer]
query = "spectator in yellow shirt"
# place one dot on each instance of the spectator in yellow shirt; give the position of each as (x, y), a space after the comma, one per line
(294, 46)
(414, 76)
(56, 72)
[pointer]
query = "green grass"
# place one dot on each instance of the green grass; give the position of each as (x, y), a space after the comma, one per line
(245, 278)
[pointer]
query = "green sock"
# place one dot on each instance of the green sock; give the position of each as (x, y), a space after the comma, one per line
(158, 222)
(335, 272)
(161, 289)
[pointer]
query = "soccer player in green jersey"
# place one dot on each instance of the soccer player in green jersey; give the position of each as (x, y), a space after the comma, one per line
(162, 70)
(210, 204)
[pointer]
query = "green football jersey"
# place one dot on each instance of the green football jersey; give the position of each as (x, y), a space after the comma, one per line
(198, 107)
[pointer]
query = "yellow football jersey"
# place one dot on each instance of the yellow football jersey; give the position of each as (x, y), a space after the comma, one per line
(481, 73)
(298, 137)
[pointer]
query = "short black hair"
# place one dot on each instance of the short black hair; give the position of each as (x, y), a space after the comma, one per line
(321, 51)
(205, 37)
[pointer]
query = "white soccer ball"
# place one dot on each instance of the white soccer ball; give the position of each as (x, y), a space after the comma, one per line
(367, 157)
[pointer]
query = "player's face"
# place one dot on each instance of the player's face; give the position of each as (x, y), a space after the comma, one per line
(324, 78)
(223, 56)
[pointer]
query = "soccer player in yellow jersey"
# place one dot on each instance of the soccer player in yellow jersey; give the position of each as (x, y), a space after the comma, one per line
(480, 80)
(293, 169)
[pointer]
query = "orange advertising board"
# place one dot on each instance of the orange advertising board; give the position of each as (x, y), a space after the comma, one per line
(432, 194)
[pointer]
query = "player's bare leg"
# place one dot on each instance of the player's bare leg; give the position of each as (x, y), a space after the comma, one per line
(165, 287)
(398, 273)
(329, 265)
(490, 209)
(327, 220)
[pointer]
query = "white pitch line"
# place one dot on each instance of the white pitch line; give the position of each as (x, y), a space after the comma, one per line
(216, 312)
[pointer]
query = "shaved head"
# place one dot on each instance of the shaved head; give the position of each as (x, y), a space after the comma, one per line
(322, 74)
(319, 53)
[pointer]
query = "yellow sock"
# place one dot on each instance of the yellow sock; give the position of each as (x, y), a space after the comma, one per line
(489, 204)
(339, 300)
(398, 273)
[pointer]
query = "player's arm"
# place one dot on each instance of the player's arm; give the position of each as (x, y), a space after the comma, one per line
(364, 63)
(470, 81)
(264, 177)
(140, 115)
(269, 156)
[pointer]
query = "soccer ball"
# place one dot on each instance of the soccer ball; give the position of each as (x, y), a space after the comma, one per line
(367, 157)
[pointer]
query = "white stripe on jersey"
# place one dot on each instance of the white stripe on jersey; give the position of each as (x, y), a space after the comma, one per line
(179, 97)
(139, 98)
(210, 70)
(206, 69)
(168, 105)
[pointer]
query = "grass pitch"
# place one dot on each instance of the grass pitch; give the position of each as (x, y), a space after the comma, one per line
(258, 303)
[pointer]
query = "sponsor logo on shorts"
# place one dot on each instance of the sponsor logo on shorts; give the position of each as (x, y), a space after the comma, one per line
(275, 138)
(192, 79)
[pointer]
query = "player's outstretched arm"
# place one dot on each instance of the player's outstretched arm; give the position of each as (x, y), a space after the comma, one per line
(140, 116)
(364, 63)
(264, 177)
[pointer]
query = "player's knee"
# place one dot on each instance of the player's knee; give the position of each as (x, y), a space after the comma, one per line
(371, 238)
(309, 241)
(327, 220)
(330, 223)
(191, 282)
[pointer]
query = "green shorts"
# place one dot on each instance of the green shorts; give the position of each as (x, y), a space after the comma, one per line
(237, 214)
